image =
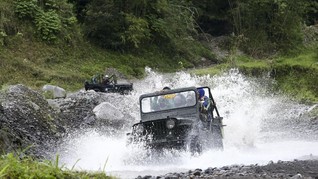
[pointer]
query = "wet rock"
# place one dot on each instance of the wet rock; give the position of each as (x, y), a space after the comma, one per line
(107, 111)
(27, 121)
(297, 176)
(171, 176)
(225, 168)
(147, 177)
(197, 172)
(56, 91)
(283, 169)
(91, 109)
(209, 170)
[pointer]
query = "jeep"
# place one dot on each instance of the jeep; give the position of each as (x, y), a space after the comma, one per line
(173, 119)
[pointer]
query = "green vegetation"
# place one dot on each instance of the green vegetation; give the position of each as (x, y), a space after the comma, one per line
(214, 70)
(296, 76)
(66, 42)
(12, 166)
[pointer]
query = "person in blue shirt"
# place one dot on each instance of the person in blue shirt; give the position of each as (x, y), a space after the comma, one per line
(204, 100)
(205, 105)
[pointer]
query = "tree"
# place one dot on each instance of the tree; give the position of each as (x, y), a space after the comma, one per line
(268, 25)
(212, 16)
(129, 24)
(50, 18)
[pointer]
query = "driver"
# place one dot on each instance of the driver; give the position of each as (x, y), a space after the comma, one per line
(164, 102)
(106, 80)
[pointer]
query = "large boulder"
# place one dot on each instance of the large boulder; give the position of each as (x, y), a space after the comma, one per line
(56, 91)
(111, 116)
(84, 109)
(27, 121)
(76, 110)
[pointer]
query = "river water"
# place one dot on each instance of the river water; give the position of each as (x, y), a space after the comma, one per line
(260, 127)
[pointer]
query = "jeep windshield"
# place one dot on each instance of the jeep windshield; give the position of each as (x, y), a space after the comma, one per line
(168, 101)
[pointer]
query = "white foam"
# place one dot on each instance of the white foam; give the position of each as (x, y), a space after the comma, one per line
(249, 115)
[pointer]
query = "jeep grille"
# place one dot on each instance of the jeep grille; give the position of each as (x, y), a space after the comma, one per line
(158, 130)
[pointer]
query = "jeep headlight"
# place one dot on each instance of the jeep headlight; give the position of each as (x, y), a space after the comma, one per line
(139, 129)
(170, 123)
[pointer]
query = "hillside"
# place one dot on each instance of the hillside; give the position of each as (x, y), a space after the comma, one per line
(64, 43)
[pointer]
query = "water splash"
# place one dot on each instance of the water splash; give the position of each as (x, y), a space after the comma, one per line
(260, 127)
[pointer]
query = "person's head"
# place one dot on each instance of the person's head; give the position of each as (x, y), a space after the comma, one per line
(166, 88)
(162, 103)
(201, 92)
(178, 101)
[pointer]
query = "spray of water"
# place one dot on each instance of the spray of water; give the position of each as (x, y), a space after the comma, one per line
(260, 127)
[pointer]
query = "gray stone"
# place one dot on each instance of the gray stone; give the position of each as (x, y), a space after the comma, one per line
(197, 173)
(57, 92)
(209, 170)
(28, 120)
(107, 111)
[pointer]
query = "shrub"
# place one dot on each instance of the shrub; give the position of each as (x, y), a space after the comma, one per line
(48, 25)
(50, 17)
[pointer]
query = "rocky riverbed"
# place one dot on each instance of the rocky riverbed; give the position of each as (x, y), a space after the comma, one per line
(29, 121)
(281, 169)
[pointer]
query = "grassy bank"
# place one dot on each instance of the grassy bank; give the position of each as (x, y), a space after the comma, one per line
(13, 167)
(34, 64)
(296, 76)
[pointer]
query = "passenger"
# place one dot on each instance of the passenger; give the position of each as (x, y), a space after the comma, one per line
(157, 104)
(204, 100)
(168, 96)
(163, 104)
(113, 79)
(205, 104)
(168, 103)
(180, 101)
(190, 99)
(96, 79)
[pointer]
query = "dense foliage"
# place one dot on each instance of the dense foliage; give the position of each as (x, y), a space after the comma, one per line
(267, 25)
(260, 27)
(128, 25)
(65, 42)
(50, 18)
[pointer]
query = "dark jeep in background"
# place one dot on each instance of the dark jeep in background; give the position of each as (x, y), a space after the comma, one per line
(98, 84)
(124, 88)
(172, 120)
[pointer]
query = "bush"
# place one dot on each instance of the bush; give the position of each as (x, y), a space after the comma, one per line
(48, 25)
(49, 17)
(269, 25)
(26, 9)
